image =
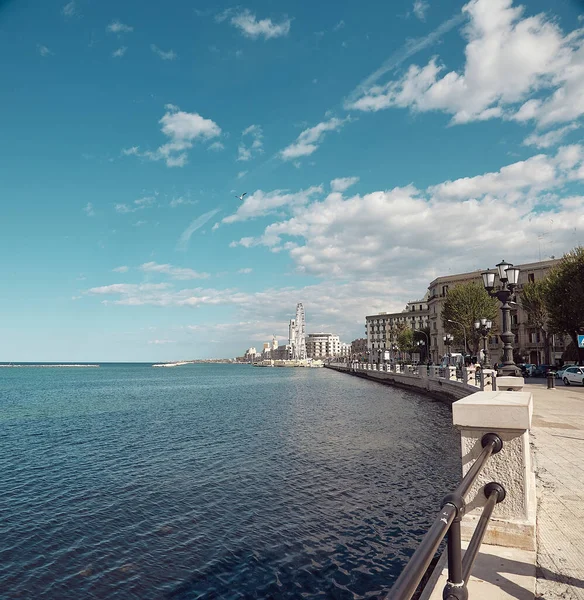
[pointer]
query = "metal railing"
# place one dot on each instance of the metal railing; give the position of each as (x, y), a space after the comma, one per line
(448, 522)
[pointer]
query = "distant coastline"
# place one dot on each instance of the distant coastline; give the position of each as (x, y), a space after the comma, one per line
(47, 366)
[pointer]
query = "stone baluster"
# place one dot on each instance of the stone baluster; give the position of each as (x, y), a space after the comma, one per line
(508, 414)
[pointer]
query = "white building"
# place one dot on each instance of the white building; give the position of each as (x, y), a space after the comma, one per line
(382, 329)
(322, 345)
(345, 349)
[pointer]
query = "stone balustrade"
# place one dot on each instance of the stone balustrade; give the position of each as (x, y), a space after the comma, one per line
(440, 381)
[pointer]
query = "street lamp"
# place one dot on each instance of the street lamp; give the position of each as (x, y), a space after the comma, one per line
(483, 326)
(463, 332)
(508, 276)
(448, 339)
(395, 349)
(421, 344)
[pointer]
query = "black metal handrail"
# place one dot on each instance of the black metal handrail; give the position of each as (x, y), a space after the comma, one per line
(448, 522)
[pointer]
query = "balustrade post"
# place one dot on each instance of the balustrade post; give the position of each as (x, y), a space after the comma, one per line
(487, 380)
(508, 414)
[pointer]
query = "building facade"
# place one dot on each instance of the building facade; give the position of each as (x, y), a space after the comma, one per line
(382, 329)
(528, 340)
(359, 347)
(322, 345)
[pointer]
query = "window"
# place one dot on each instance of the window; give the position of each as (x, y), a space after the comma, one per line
(444, 290)
(531, 277)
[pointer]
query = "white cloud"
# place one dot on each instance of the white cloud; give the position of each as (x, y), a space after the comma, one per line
(180, 202)
(247, 152)
(183, 129)
(217, 146)
(453, 226)
(69, 9)
(261, 203)
(242, 174)
(343, 183)
(339, 25)
(185, 237)
(309, 140)
(119, 52)
(122, 269)
(174, 272)
(140, 223)
(409, 49)
(549, 139)
(44, 51)
(139, 204)
(508, 59)
(247, 22)
(158, 342)
(89, 210)
(420, 8)
(133, 151)
(245, 271)
(118, 27)
(168, 55)
(246, 242)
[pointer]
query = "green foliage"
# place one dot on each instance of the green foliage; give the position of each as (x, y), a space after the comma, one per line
(405, 340)
(564, 296)
(533, 301)
(467, 303)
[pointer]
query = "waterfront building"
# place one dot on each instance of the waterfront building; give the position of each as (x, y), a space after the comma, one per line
(382, 329)
(528, 340)
(345, 349)
(359, 347)
(322, 345)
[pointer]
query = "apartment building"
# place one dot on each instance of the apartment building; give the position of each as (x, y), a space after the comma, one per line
(382, 329)
(322, 345)
(528, 340)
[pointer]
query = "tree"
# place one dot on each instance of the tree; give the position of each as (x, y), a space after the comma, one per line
(564, 297)
(405, 339)
(467, 303)
(533, 301)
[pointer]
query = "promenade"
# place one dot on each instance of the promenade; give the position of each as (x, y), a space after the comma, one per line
(557, 437)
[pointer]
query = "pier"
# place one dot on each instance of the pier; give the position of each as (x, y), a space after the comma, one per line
(534, 544)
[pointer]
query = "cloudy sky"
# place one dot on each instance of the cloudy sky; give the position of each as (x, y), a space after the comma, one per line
(380, 144)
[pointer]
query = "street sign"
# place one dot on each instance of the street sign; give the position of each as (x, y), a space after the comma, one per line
(581, 341)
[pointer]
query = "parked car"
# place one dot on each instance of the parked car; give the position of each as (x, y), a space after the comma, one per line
(541, 370)
(573, 374)
(526, 369)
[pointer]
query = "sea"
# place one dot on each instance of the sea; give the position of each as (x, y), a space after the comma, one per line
(214, 481)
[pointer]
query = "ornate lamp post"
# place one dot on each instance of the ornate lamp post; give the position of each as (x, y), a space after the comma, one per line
(463, 333)
(508, 276)
(421, 344)
(448, 339)
(483, 326)
(394, 349)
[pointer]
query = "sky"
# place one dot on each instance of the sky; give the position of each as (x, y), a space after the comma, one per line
(379, 145)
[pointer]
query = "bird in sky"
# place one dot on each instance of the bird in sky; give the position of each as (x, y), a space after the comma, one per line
(241, 197)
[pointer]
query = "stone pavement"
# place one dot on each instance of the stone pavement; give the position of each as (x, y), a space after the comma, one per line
(557, 437)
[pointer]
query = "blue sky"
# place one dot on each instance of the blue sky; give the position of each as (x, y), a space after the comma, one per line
(379, 145)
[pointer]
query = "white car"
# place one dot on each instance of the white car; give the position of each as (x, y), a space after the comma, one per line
(573, 374)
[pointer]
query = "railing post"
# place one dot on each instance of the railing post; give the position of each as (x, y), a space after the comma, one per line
(468, 376)
(487, 380)
(508, 414)
(450, 373)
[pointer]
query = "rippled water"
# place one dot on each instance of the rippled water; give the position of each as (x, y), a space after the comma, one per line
(213, 481)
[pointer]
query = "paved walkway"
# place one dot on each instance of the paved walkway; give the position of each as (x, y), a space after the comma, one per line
(557, 436)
